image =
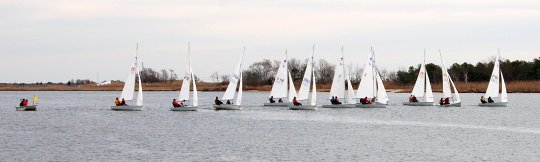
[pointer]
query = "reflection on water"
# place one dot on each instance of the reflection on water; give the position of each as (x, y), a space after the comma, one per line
(78, 126)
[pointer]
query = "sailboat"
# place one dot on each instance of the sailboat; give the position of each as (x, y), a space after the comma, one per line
(129, 87)
(279, 89)
(455, 100)
(308, 81)
(371, 86)
(184, 90)
(493, 87)
(338, 86)
(32, 107)
(231, 89)
(422, 88)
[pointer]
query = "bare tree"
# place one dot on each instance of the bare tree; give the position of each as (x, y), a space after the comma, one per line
(260, 73)
(215, 77)
(297, 68)
(225, 79)
(173, 76)
(324, 71)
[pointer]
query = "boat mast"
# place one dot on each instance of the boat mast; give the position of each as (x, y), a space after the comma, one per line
(499, 69)
(425, 76)
(373, 73)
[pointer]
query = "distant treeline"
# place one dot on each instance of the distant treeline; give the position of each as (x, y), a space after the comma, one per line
(263, 72)
(516, 70)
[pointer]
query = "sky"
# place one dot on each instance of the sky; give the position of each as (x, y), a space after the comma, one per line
(59, 40)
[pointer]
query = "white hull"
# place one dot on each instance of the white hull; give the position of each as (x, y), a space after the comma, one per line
(418, 103)
(26, 108)
(302, 107)
(283, 104)
(186, 108)
(227, 107)
(496, 104)
(373, 105)
(340, 106)
(127, 108)
(452, 105)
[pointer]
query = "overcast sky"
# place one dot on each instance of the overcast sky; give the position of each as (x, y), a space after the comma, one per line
(58, 40)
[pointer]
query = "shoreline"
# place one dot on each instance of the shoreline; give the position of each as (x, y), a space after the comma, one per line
(471, 87)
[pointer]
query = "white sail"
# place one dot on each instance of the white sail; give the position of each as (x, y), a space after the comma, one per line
(456, 93)
(504, 94)
(447, 92)
(365, 89)
(429, 92)
(493, 86)
(233, 81)
(419, 86)
(239, 96)
(382, 97)
(139, 94)
(303, 94)
(279, 89)
(129, 83)
(350, 91)
(184, 91)
(447, 82)
(292, 89)
(231, 89)
(314, 91)
(195, 100)
(338, 83)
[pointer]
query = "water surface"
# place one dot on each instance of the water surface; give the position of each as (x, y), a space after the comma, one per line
(78, 126)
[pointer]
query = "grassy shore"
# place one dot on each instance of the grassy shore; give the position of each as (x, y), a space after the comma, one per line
(471, 87)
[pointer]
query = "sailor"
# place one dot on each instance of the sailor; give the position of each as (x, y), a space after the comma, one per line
(295, 102)
(117, 102)
(217, 101)
(414, 98)
(272, 99)
(25, 103)
(447, 101)
(336, 100)
(123, 103)
(490, 100)
(175, 104)
(482, 99)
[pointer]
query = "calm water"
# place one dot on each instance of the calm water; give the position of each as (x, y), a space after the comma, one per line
(78, 126)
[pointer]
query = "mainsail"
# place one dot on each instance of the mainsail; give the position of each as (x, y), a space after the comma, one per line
(493, 86)
(129, 86)
(422, 87)
(233, 83)
(189, 78)
(279, 89)
(447, 82)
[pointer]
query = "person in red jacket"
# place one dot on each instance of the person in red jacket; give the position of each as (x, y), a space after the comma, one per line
(175, 104)
(25, 103)
(295, 102)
